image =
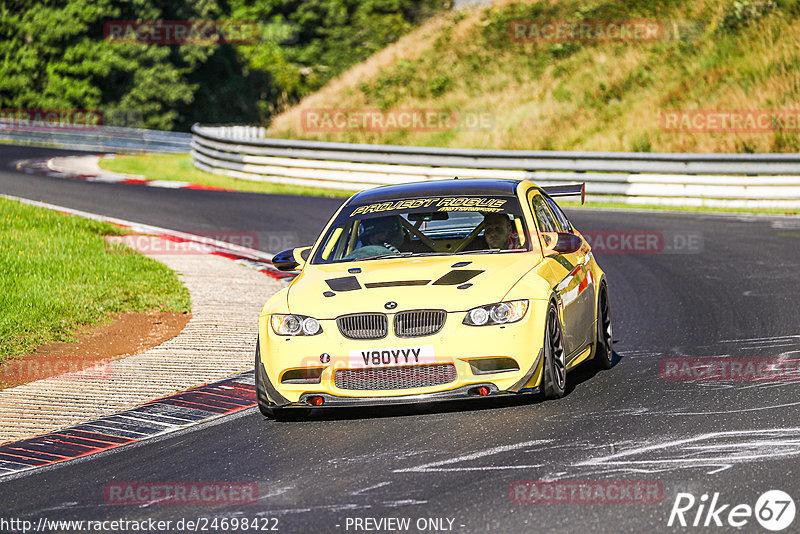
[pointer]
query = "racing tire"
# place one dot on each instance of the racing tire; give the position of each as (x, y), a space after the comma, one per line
(604, 348)
(554, 373)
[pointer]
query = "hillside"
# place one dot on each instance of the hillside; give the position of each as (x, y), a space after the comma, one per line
(737, 59)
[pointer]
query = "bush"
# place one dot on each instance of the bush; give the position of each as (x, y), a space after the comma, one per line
(742, 13)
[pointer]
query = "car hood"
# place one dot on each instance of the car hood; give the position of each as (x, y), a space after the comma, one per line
(432, 282)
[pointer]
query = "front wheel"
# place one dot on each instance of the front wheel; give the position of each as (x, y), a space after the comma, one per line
(554, 381)
(604, 350)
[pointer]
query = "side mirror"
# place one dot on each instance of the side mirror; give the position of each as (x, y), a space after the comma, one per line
(561, 242)
(292, 259)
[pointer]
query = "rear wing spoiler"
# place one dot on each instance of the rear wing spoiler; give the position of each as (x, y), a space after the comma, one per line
(567, 191)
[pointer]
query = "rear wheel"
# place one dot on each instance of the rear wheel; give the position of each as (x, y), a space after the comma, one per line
(604, 350)
(554, 381)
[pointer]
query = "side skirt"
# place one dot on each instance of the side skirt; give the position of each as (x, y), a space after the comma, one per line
(579, 356)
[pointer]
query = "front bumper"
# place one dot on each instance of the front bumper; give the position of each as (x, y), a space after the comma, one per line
(333, 401)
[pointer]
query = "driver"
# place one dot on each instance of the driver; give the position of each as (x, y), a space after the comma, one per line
(499, 232)
(385, 232)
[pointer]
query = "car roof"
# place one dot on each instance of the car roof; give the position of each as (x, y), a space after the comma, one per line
(466, 186)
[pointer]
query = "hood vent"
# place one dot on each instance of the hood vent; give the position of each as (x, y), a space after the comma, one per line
(345, 283)
(454, 278)
(397, 283)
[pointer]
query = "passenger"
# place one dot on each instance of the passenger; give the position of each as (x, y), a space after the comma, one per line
(499, 232)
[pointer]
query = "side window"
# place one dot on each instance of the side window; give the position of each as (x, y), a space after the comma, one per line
(545, 217)
(562, 218)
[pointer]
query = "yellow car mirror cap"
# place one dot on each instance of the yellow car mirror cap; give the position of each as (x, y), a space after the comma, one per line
(560, 243)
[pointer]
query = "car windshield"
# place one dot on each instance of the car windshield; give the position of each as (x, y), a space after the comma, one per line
(425, 226)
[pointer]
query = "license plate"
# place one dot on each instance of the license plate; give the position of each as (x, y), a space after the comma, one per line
(392, 356)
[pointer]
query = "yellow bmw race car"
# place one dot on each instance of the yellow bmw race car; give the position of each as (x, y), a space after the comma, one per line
(432, 291)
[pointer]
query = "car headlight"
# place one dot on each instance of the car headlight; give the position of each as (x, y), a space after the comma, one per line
(295, 325)
(500, 313)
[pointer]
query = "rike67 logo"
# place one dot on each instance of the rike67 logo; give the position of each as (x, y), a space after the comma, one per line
(774, 510)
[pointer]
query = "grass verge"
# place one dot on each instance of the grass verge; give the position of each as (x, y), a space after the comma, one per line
(179, 167)
(59, 273)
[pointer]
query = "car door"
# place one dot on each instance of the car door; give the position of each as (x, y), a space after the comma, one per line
(576, 287)
(587, 288)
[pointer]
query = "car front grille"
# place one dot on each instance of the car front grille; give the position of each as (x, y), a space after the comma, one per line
(403, 377)
(418, 323)
(363, 325)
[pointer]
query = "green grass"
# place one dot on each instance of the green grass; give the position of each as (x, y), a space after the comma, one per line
(179, 167)
(58, 273)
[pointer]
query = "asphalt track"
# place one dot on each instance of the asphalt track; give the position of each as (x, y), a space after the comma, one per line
(736, 295)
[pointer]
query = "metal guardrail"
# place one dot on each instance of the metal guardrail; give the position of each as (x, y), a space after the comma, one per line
(102, 138)
(714, 180)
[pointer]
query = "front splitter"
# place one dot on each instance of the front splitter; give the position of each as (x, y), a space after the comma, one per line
(462, 393)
